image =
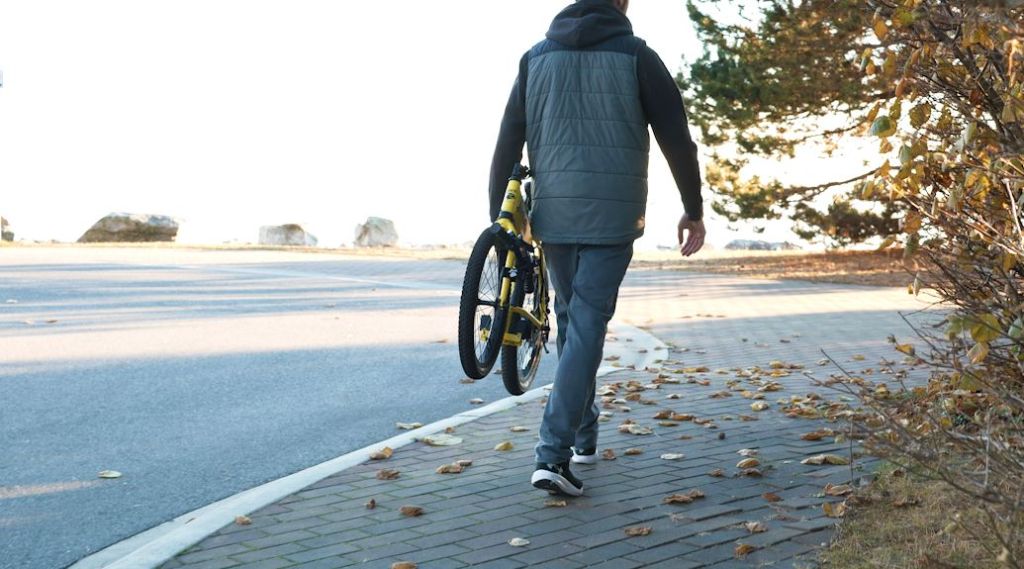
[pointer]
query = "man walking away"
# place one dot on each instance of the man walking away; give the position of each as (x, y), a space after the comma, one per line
(582, 103)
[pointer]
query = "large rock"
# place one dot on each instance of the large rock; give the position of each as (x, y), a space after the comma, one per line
(287, 234)
(749, 245)
(376, 232)
(131, 228)
(6, 233)
(757, 245)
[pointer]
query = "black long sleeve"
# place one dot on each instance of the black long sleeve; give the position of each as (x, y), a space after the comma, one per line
(511, 138)
(663, 106)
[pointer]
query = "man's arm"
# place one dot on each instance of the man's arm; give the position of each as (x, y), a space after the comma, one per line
(511, 138)
(663, 106)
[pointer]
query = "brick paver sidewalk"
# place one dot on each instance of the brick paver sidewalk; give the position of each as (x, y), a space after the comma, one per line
(469, 518)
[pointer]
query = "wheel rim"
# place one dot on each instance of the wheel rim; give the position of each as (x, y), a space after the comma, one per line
(486, 302)
(525, 352)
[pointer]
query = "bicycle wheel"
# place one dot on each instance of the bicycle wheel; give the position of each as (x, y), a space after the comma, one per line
(481, 320)
(519, 364)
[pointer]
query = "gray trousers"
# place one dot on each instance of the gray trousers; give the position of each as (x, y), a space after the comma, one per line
(586, 280)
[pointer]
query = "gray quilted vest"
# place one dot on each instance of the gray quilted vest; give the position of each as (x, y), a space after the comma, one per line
(587, 142)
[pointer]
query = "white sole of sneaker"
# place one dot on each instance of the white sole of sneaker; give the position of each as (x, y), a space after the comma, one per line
(584, 458)
(554, 483)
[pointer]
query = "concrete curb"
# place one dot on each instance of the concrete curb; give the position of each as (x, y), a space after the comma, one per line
(156, 546)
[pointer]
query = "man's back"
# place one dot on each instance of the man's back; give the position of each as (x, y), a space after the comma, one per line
(581, 103)
(586, 130)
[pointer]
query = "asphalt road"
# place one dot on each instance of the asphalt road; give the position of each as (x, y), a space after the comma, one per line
(199, 374)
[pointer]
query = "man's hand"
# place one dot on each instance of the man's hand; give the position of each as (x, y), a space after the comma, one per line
(695, 237)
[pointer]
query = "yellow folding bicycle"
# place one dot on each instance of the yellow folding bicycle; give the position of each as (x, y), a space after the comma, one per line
(504, 304)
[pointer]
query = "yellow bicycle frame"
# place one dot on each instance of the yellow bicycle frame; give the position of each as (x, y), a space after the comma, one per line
(515, 207)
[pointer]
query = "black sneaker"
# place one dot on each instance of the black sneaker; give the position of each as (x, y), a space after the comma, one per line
(584, 456)
(556, 479)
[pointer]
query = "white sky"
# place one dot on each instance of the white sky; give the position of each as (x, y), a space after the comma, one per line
(231, 114)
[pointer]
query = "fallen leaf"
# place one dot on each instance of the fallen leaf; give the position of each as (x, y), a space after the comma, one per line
(243, 520)
(449, 469)
(771, 497)
(633, 451)
(476, 401)
(464, 462)
(518, 542)
(817, 435)
(634, 429)
(837, 490)
(637, 531)
(825, 459)
(467, 380)
(382, 454)
(673, 456)
(759, 405)
(743, 549)
(748, 463)
(748, 418)
(755, 527)
(747, 452)
(371, 504)
(109, 474)
(408, 426)
(554, 503)
(683, 498)
(403, 565)
(717, 473)
(608, 454)
(411, 511)
(387, 474)
(504, 445)
(834, 510)
(440, 440)
(519, 429)
(449, 430)
(752, 472)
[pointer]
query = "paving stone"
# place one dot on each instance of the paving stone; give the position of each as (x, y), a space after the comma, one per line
(499, 564)
(215, 552)
(325, 563)
(217, 563)
(594, 555)
(662, 552)
(273, 563)
(442, 538)
(268, 552)
(391, 549)
(536, 555)
(278, 539)
(617, 563)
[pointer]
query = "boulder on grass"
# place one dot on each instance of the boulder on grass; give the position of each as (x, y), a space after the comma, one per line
(291, 234)
(131, 228)
(6, 233)
(376, 232)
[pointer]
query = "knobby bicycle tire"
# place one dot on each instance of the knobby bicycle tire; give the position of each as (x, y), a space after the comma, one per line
(478, 365)
(517, 379)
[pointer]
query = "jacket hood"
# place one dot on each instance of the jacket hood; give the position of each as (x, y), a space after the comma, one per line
(588, 22)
